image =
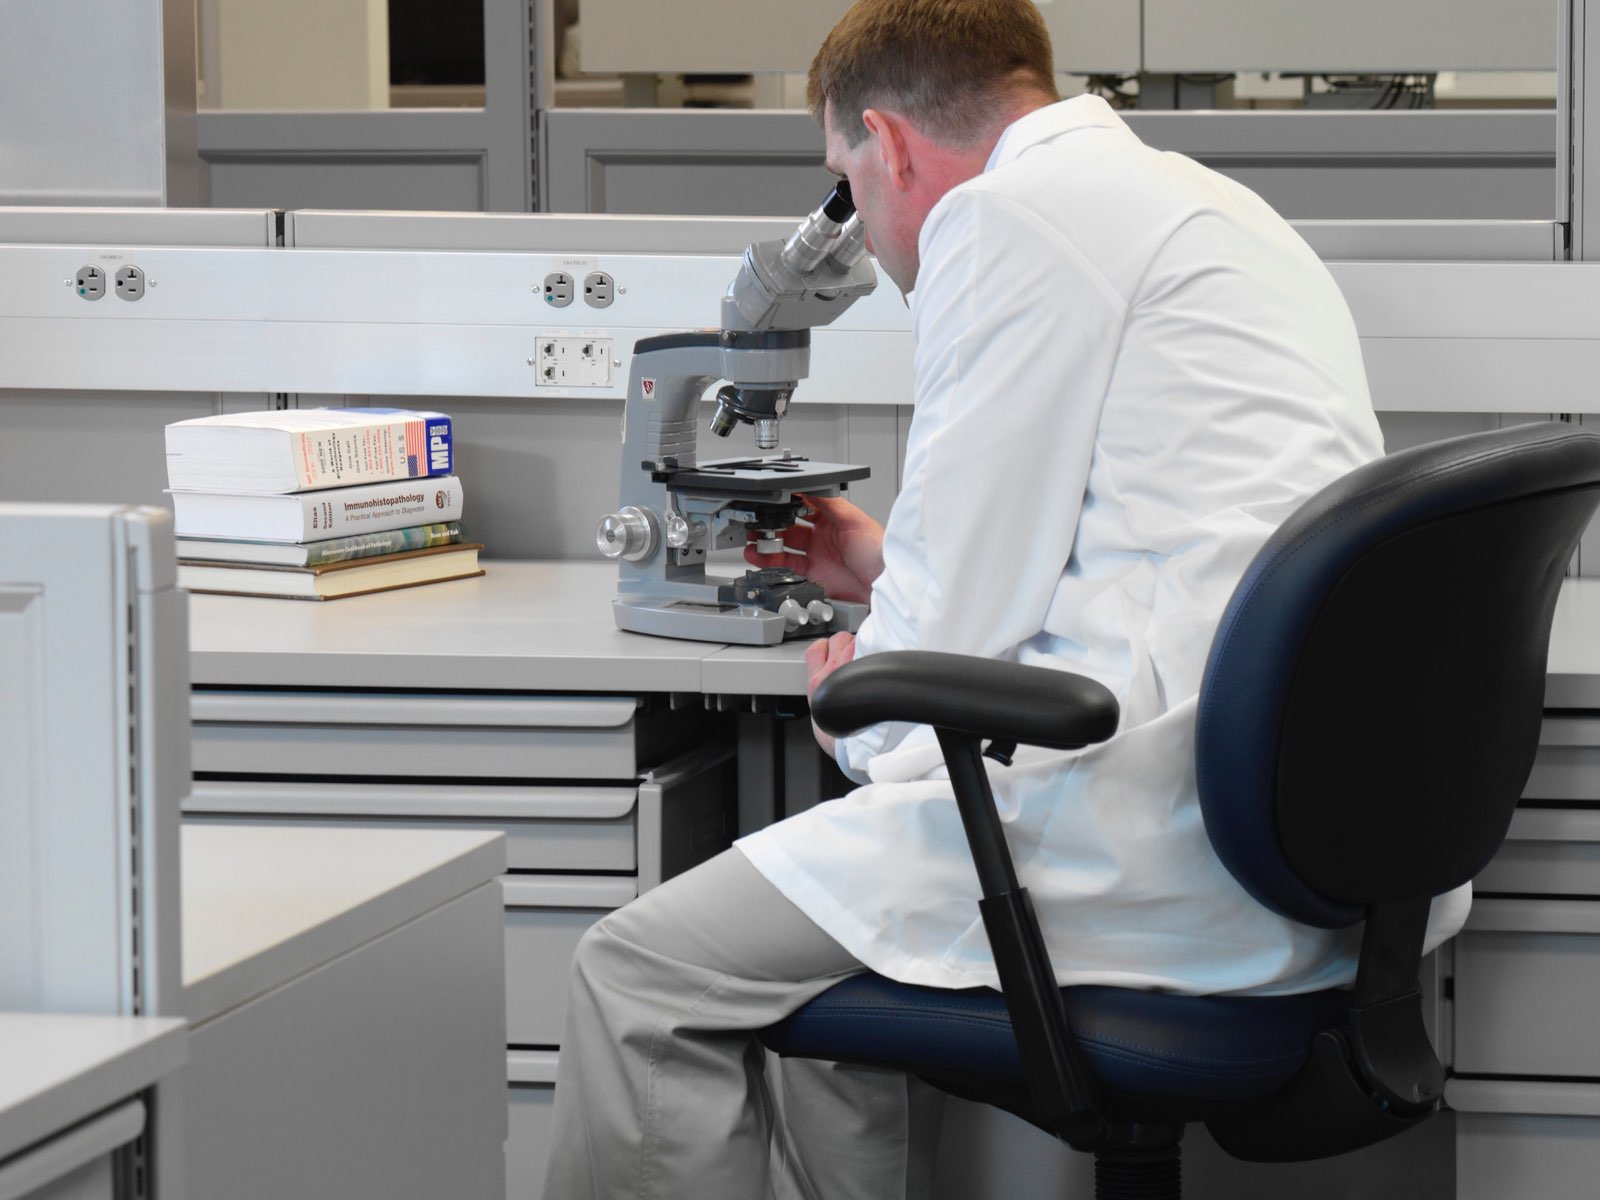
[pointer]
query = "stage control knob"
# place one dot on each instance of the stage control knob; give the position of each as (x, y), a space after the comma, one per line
(793, 615)
(677, 531)
(821, 611)
(629, 534)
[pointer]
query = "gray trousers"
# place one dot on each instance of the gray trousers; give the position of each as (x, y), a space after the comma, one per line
(663, 1091)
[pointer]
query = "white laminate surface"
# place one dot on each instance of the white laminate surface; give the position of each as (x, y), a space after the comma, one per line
(263, 904)
(521, 626)
(58, 1068)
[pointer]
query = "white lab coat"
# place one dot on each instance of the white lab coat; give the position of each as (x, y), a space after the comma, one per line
(1129, 371)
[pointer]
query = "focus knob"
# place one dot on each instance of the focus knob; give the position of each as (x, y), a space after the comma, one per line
(677, 531)
(629, 534)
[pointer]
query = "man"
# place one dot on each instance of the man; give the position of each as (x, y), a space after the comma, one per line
(1128, 372)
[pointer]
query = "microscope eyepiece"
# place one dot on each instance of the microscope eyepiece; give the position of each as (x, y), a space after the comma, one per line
(839, 204)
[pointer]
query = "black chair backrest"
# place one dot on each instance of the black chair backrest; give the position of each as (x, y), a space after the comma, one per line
(1371, 705)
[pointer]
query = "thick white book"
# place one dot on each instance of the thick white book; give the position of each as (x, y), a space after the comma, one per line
(313, 516)
(291, 450)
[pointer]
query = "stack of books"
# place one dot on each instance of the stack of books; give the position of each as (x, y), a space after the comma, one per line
(314, 504)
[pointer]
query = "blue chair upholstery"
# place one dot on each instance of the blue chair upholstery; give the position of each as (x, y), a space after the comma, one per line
(1367, 720)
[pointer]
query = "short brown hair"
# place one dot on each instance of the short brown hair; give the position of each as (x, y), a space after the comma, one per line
(943, 63)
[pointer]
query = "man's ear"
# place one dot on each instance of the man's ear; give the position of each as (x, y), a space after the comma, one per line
(893, 145)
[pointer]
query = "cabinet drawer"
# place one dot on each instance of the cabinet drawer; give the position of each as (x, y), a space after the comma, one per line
(431, 735)
(547, 828)
(75, 1165)
(531, 1076)
(1567, 766)
(1527, 972)
(1547, 851)
(1531, 1140)
(545, 917)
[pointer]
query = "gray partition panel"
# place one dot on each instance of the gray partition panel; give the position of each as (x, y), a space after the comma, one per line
(137, 226)
(681, 163)
(1375, 36)
(1391, 166)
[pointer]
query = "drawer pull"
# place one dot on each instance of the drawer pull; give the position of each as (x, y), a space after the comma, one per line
(556, 891)
(35, 1168)
(370, 708)
(412, 800)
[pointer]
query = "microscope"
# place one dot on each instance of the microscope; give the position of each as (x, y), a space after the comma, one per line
(674, 508)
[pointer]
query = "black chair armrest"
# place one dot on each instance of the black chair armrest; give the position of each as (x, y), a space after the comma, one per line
(1033, 706)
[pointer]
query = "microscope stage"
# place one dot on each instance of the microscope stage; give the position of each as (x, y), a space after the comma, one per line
(759, 476)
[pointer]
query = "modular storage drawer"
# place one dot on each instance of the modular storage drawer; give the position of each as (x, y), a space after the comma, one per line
(545, 917)
(1527, 1140)
(420, 734)
(567, 828)
(1527, 974)
(1547, 852)
(77, 1163)
(531, 1078)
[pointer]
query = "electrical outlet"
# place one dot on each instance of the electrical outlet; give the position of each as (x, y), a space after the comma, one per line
(599, 289)
(130, 283)
(558, 289)
(574, 362)
(91, 283)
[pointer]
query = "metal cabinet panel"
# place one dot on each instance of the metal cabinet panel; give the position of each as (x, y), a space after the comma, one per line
(1526, 975)
(426, 735)
(1529, 1157)
(75, 1165)
(1548, 851)
(545, 918)
(531, 1075)
(546, 828)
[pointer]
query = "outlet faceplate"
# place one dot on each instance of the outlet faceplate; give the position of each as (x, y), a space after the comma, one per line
(558, 289)
(130, 283)
(91, 283)
(574, 362)
(599, 289)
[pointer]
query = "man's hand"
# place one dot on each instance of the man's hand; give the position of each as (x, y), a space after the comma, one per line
(823, 658)
(840, 547)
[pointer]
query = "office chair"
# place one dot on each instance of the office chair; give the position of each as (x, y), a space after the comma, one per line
(1367, 719)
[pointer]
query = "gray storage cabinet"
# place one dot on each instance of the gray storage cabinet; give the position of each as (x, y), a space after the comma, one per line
(1526, 1069)
(600, 798)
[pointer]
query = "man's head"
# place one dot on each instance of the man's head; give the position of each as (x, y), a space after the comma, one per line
(913, 95)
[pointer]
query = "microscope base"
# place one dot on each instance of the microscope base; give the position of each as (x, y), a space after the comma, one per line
(716, 622)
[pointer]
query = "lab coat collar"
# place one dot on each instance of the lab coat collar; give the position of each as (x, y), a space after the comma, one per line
(1051, 121)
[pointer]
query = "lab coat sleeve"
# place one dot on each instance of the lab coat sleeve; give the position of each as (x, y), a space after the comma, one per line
(1017, 336)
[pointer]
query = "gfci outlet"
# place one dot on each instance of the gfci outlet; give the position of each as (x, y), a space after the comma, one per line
(91, 283)
(574, 362)
(130, 283)
(558, 289)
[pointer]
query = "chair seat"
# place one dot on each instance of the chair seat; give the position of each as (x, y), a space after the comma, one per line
(1186, 1048)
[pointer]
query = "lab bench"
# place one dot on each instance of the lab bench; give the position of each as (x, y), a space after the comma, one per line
(510, 704)
(612, 760)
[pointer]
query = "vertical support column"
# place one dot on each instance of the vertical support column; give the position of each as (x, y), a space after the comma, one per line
(760, 761)
(1578, 105)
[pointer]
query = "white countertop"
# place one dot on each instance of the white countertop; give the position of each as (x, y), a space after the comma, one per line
(529, 626)
(263, 904)
(522, 626)
(58, 1068)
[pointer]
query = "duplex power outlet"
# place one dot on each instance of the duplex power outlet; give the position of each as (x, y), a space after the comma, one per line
(599, 289)
(574, 362)
(558, 289)
(130, 283)
(91, 283)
